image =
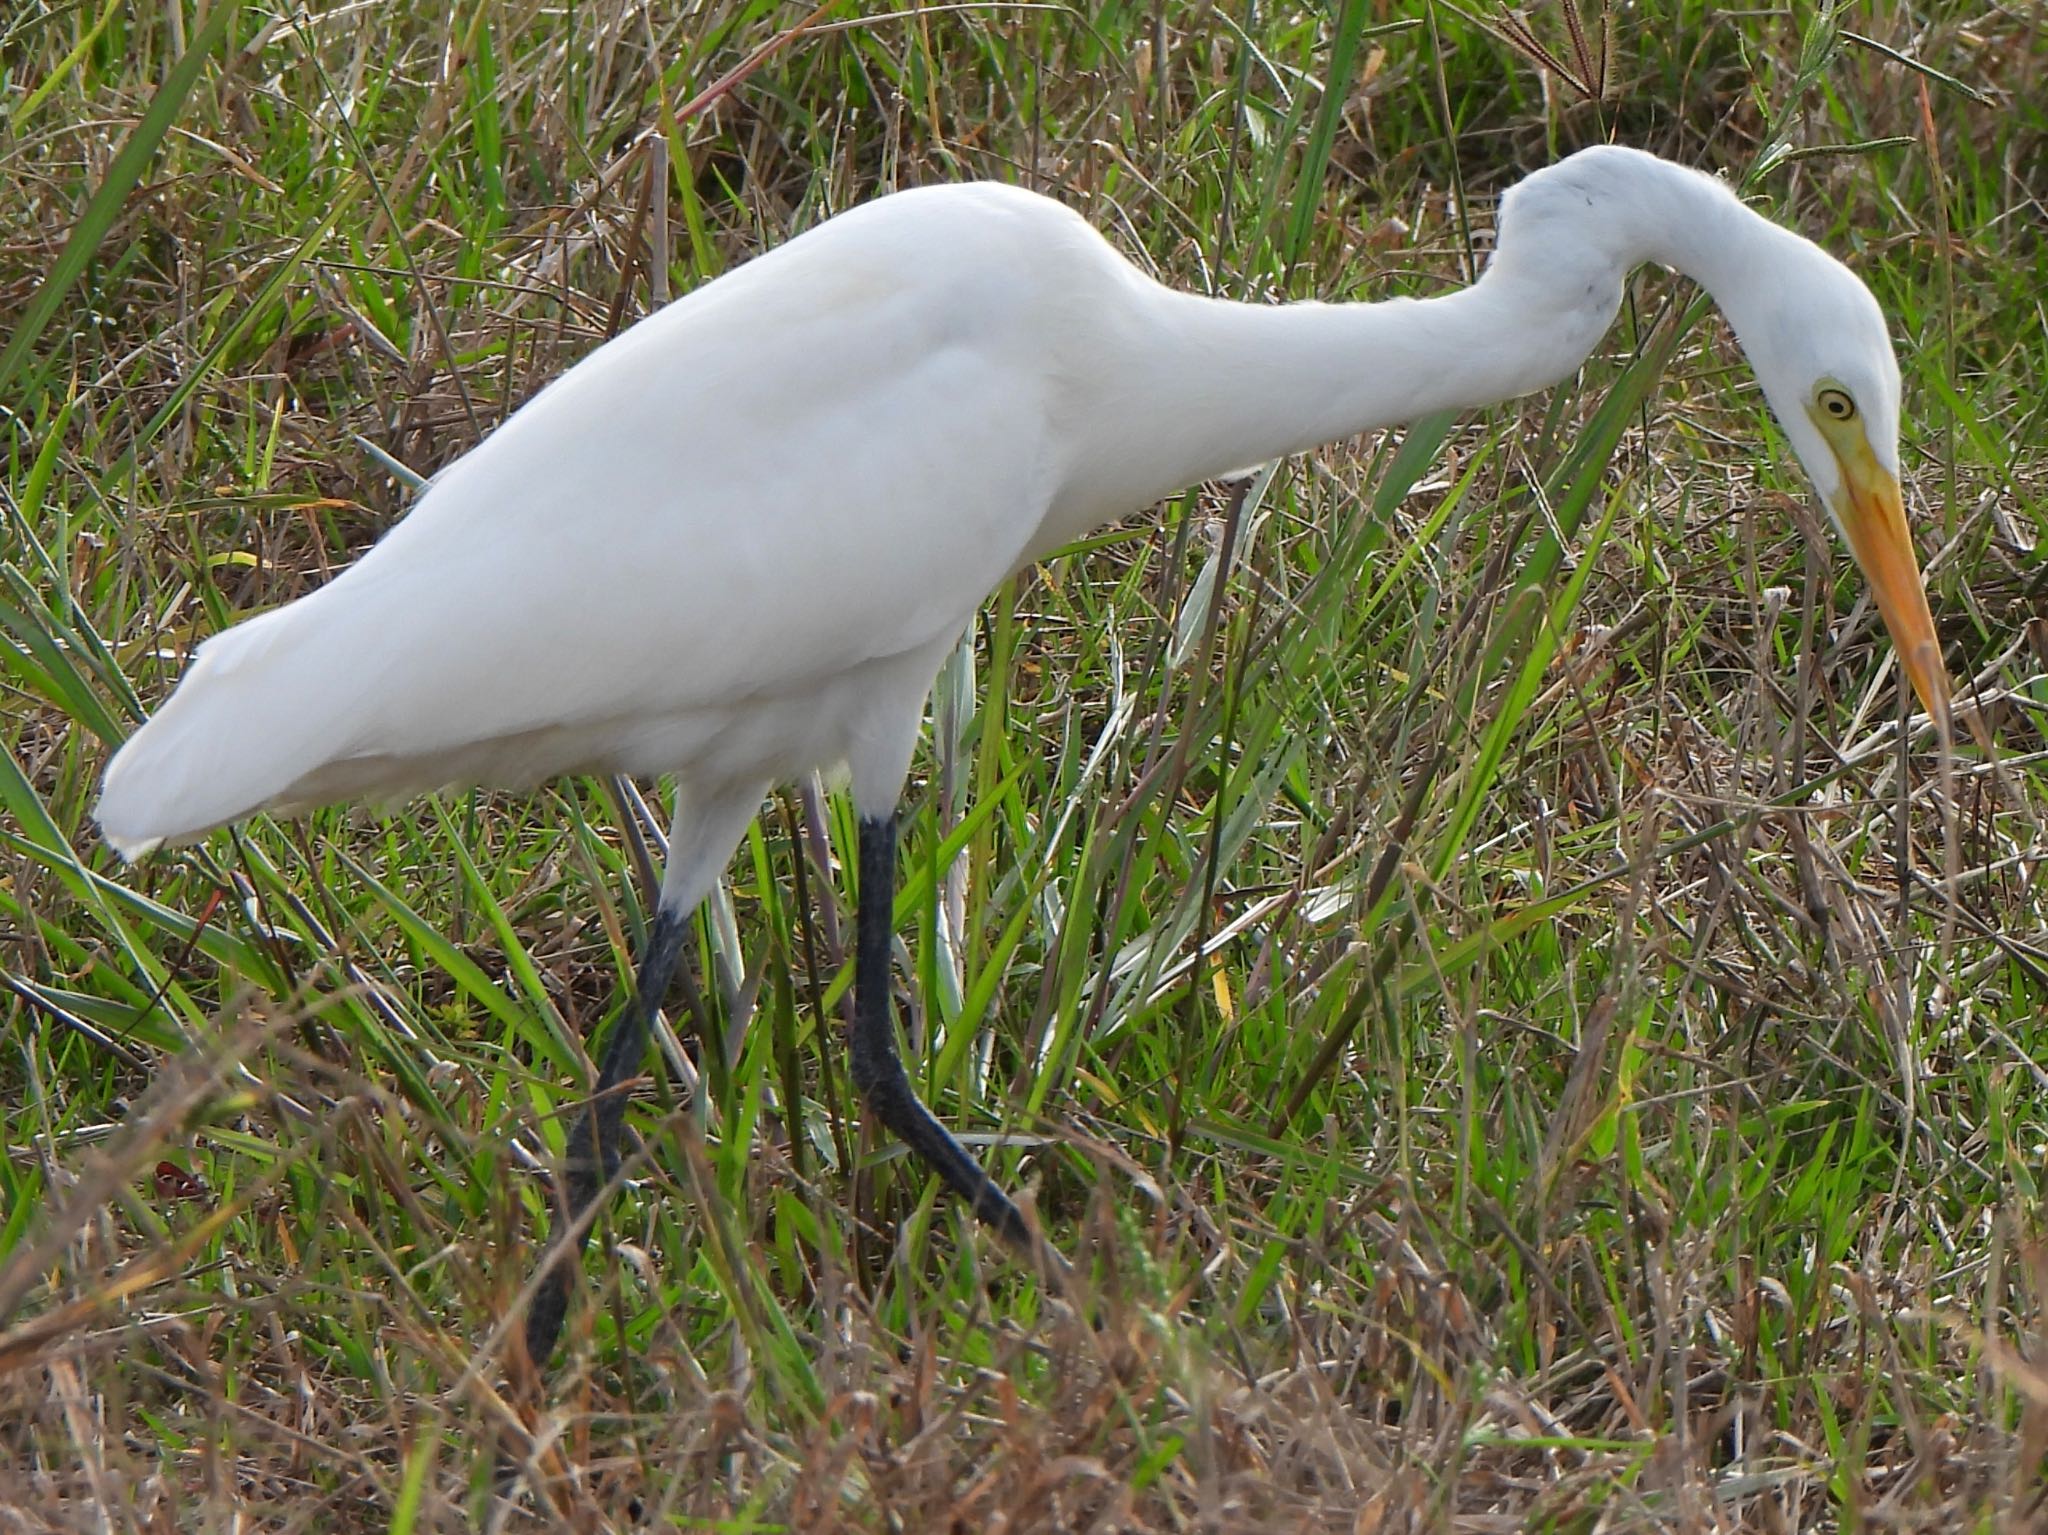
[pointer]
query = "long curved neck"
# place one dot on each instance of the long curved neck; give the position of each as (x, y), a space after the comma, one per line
(1215, 386)
(1255, 381)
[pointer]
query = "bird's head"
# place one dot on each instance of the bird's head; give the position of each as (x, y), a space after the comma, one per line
(1817, 340)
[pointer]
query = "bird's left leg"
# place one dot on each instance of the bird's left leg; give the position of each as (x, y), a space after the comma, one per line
(701, 843)
(879, 760)
(878, 1071)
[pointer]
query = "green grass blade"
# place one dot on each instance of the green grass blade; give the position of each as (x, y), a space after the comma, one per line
(121, 179)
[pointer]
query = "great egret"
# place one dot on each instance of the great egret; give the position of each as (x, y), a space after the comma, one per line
(735, 543)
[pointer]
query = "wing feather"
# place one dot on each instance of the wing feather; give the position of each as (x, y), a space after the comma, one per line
(824, 459)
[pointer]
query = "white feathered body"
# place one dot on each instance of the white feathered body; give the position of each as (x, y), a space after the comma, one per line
(706, 549)
(735, 543)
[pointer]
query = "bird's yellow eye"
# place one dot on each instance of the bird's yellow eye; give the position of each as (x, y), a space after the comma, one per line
(1836, 404)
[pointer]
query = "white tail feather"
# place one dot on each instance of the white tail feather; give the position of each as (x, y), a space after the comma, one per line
(254, 714)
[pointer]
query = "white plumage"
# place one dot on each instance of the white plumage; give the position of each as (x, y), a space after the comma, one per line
(735, 543)
(729, 540)
(719, 545)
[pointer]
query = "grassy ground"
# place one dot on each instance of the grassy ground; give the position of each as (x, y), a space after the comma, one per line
(1454, 938)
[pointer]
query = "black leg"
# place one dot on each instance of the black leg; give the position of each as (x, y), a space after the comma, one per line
(591, 1156)
(878, 1070)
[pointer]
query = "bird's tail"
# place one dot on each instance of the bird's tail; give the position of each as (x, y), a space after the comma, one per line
(251, 718)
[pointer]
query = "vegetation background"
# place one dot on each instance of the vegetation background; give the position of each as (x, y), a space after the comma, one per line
(1451, 934)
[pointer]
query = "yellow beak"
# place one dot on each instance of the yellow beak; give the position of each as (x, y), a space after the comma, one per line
(1873, 517)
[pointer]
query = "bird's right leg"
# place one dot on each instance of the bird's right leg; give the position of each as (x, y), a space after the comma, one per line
(701, 843)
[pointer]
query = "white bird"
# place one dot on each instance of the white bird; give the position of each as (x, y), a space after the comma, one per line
(735, 543)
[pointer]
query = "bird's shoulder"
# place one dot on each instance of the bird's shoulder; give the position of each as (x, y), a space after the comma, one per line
(975, 253)
(974, 216)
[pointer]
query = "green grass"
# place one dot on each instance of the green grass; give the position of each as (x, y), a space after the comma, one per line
(1450, 934)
